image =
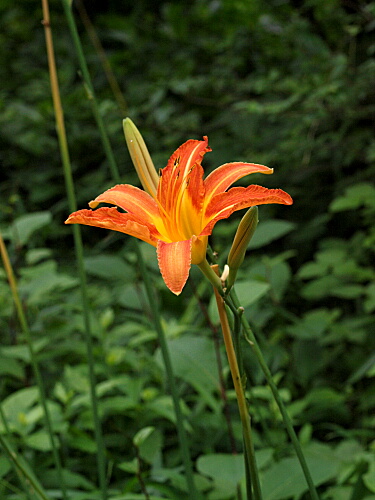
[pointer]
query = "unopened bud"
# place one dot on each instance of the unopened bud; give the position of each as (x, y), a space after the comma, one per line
(245, 231)
(141, 158)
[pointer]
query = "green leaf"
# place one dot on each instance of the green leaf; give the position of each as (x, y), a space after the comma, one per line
(41, 280)
(71, 480)
(109, 267)
(226, 472)
(22, 352)
(25, 225)
(354, 197)
(12, 367)
(270, 230)
(194, 361)
(348, 291)
(369, 477)
(285, 479)
(40, 441)
(314, 324)
(250, 291)
(16, 408)
(149, 442)
(5, 466)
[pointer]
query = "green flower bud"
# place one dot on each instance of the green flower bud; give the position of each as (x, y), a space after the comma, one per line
(141, 158)
(245, 231)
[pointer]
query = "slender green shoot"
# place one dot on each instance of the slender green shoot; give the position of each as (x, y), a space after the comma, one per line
(17, 470)
(26, 331)
(64, 152)
(23, 469)
(95, 40)
(67, 4)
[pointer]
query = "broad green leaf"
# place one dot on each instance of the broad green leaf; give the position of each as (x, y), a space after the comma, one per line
(369, 302)
(280, 276)
(116, 405)
(82, 441)
(369, 477)
(131, 466)
(354, 197)
(71, 480)
(162, 406)
(194, 361)
(41, 280)
(285, 479)
(12, 367)
(131, 296)
(149, 441)
(314, 324)
(25, 225)
(5, 466)
(250, 291)
(109, 267)
(22, 351)
(321, 287)
(226, 472)
(270, 230)
(40, 440)
(142, 435)
(308, 356)
(348, 291)
(16, 408)
(178, 479)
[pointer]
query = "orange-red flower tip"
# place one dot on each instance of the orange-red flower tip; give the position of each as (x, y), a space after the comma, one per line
(174, 262)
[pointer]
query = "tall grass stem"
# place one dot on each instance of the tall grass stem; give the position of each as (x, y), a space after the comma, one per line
(26, 331)
(64, 151)
(90, 89)
(27, 477)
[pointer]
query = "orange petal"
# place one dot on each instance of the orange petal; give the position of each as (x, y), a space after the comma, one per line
(132, 200)
(223, 205)
(174, 263)
(174, 176)
(223, 177)
(110, 218)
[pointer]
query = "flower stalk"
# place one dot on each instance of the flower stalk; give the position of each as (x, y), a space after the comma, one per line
(235, 306)
(253, 482)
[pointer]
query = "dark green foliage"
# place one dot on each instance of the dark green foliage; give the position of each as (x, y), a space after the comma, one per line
(287, 84)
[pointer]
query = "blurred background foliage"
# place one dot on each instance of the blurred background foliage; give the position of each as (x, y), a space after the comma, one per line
(284, 83)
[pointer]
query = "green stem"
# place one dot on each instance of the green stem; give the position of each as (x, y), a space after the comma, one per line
(234, 304)
(211, 276)
(64, 152)
(90, 89)
(250, 461)
(18, 472)
(23, 469)
(38, 377)
(193, 495)
(95, 40)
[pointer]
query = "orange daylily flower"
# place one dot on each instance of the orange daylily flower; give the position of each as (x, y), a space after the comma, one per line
(180, 216)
